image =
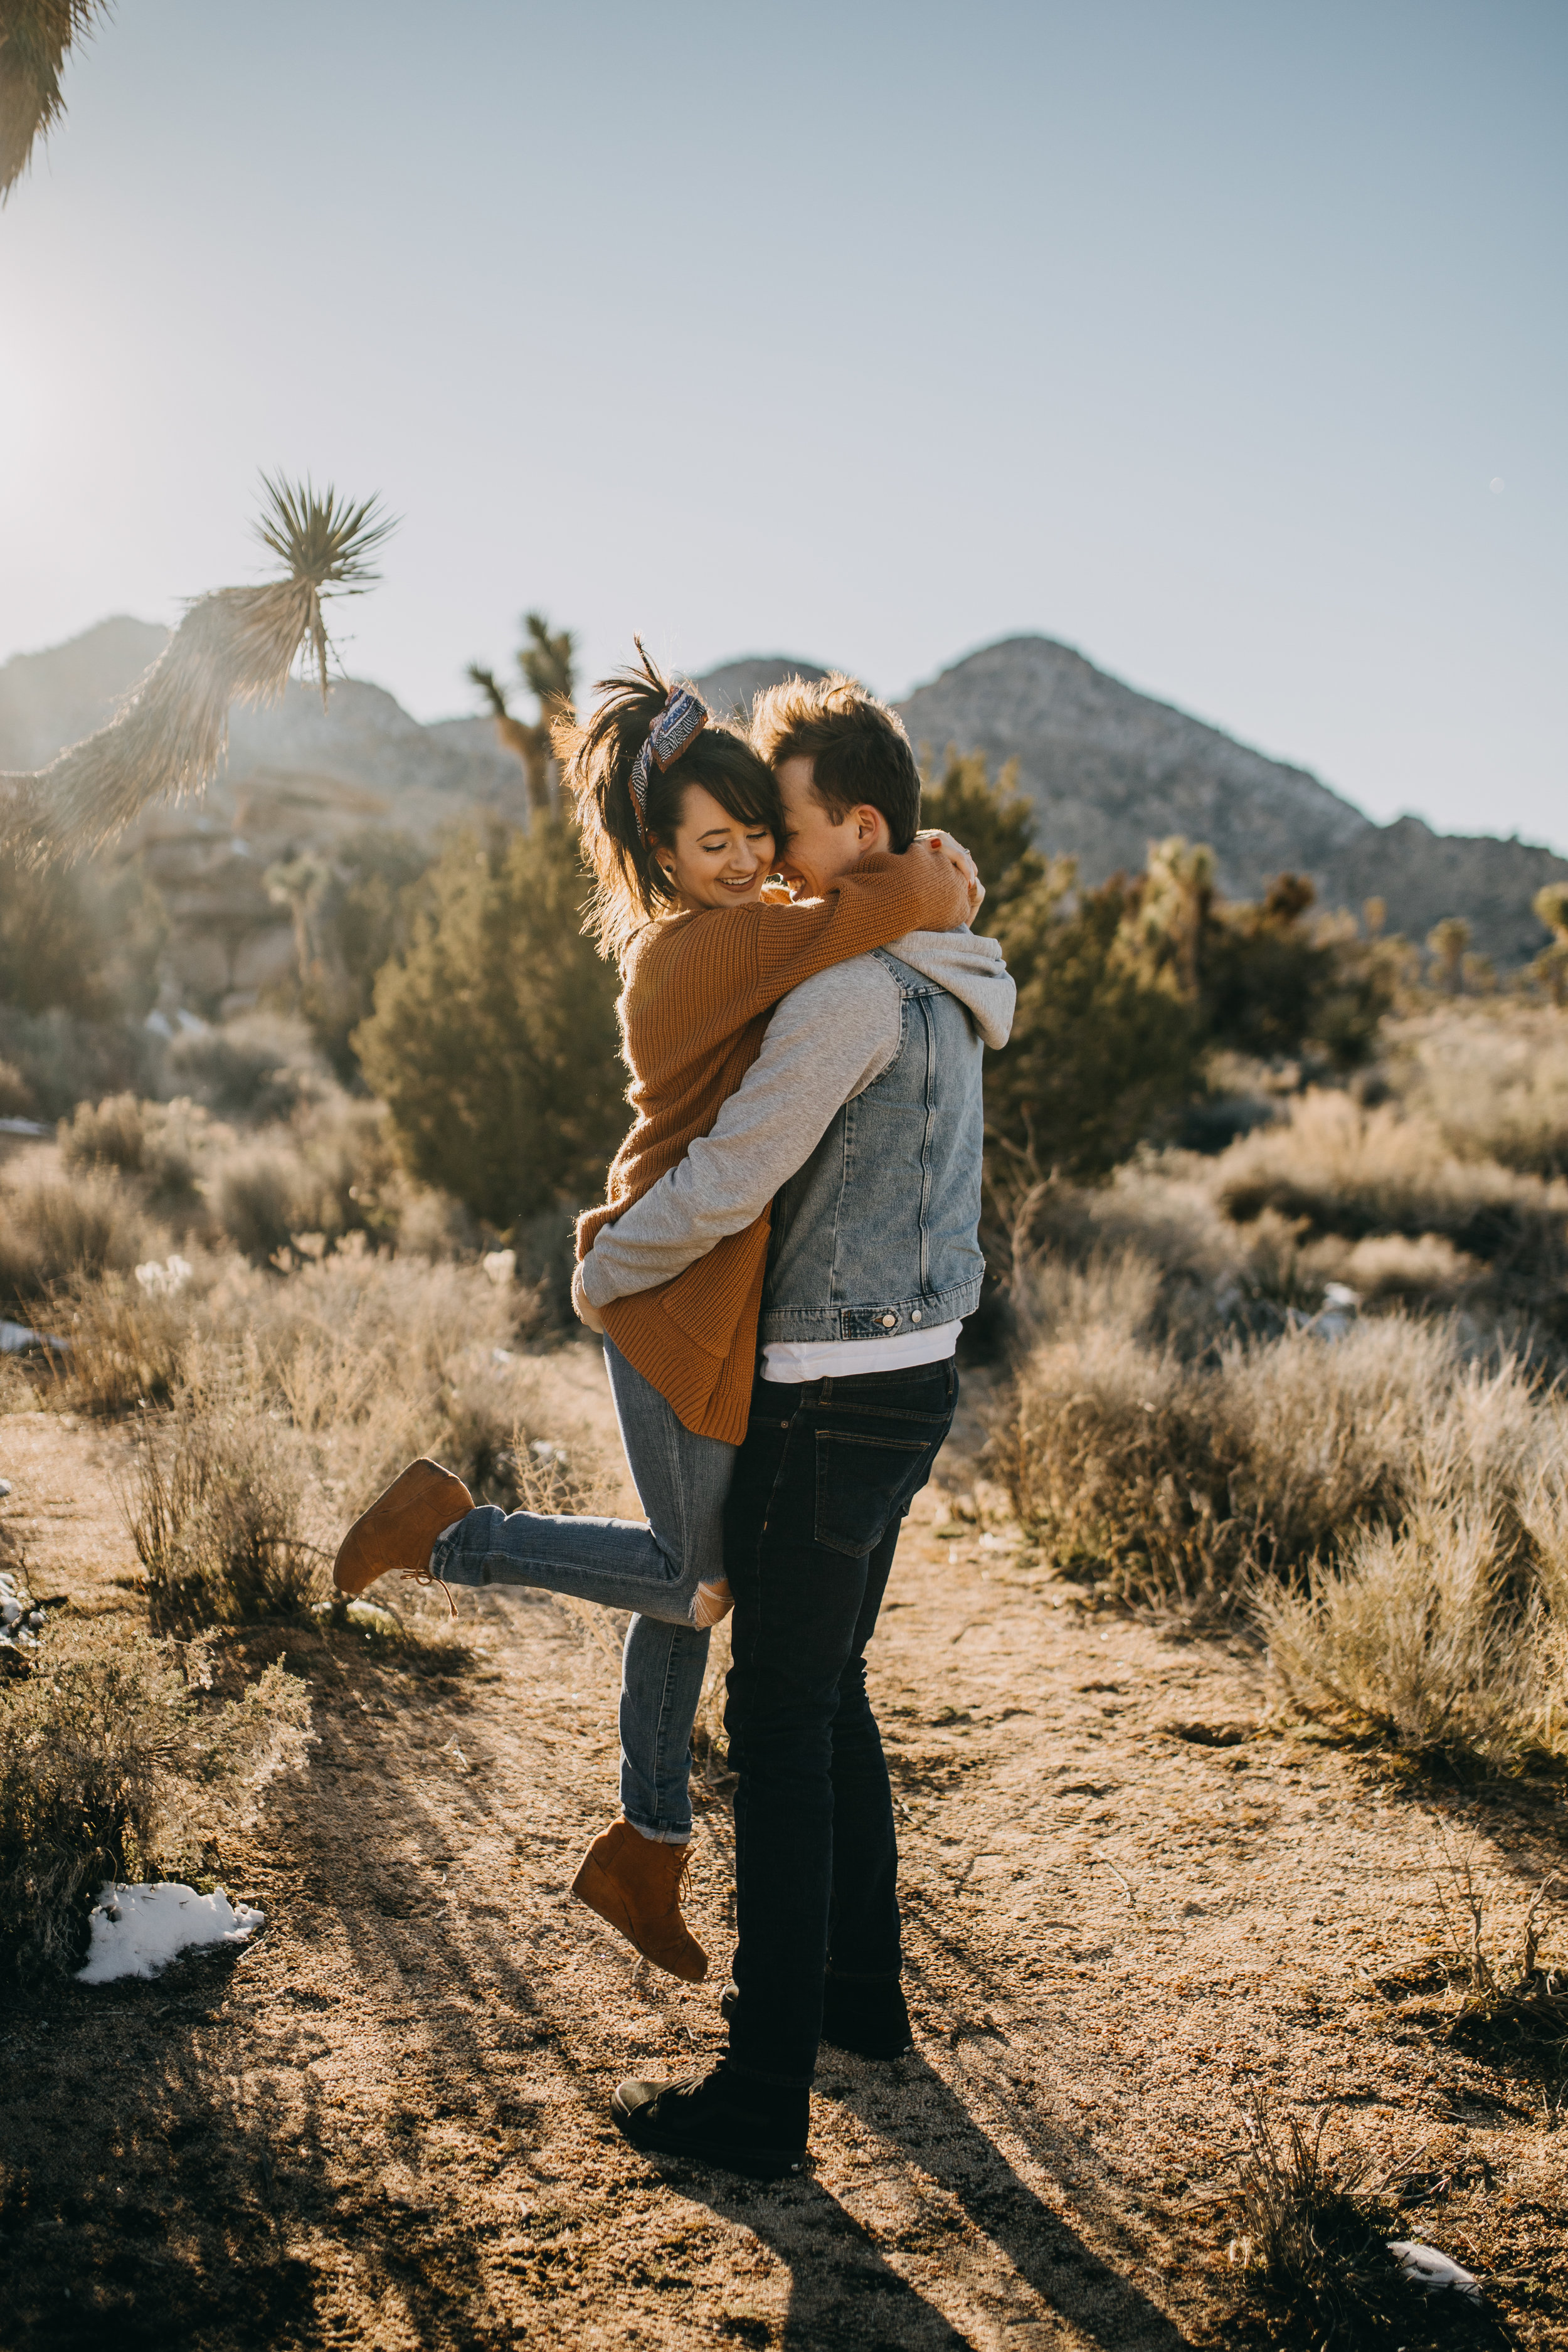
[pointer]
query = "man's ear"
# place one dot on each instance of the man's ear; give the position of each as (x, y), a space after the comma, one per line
(867, 823)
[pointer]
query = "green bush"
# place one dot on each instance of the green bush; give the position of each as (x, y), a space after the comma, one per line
(1100, 1051)
(494, 1041)
(352, 914)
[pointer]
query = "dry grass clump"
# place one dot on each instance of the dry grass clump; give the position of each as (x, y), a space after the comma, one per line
(1510, 2006)
(215, 1506)
(115, 1763)
(1175, 1482)
(1339, 1168)
(1450, 1628)
(57, 1228)
(16, 1097)
(111, 1134)
(261, 1067)
(277, 1407)
(1391, 1509)
(1495, 1084)
(1313, 2239)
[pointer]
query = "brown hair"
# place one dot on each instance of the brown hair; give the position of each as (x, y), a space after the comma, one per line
(859, 753)
(630, 885)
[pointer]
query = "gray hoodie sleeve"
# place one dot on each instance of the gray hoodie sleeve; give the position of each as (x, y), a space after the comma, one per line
(826, 1042)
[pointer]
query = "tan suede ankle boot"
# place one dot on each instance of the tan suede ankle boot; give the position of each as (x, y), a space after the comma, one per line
(634, 1883)
(401, 1525)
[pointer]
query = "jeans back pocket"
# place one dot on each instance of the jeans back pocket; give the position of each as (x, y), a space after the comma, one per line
(862, 1483)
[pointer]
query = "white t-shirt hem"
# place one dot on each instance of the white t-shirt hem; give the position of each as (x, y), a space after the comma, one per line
(790, 1361)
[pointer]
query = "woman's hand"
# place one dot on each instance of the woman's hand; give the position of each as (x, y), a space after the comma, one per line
(944, 846)
(582, 1306)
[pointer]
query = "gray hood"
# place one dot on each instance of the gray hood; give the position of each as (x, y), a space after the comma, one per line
(970, 967)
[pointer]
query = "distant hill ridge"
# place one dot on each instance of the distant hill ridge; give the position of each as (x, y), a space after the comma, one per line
(1108, 770)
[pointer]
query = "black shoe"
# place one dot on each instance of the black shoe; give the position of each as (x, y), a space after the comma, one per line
(720, 2118)
(870, 2019)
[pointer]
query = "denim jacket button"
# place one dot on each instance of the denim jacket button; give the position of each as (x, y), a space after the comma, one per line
(890, 1322)
(914, 1315)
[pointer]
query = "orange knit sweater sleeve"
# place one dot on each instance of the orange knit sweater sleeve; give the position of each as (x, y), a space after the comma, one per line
(871, 907)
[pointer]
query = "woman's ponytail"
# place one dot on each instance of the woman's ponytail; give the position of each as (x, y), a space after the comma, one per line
(628, 770)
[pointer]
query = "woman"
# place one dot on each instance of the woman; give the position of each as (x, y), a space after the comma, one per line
(682, 825)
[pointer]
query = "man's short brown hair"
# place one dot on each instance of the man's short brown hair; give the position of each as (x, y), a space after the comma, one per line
(859, 751)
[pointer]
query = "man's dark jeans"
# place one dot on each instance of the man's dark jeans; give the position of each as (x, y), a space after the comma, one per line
(821, 1486)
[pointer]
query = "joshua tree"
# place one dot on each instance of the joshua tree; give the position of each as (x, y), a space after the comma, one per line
(236, 644)
(1551, 966)
(548, 672)
(1447, 941)
(34, 38)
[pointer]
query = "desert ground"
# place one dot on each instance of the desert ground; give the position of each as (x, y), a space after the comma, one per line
(1137, 1890)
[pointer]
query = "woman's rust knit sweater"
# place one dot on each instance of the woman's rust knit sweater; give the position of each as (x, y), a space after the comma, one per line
(699, 991)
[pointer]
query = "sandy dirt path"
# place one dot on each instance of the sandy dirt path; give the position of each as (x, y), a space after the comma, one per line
(385, 2123)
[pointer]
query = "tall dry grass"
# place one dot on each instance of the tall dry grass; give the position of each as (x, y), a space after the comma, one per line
(1390, 1504)
(273, 1408)
(57, 1228)
(1339, 1168)
(1494, 1083)
(116, 1762)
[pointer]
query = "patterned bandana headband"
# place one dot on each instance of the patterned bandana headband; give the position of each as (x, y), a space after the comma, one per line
(675, 731)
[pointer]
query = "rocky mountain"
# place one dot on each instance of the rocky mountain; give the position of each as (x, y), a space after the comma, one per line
(731, 688)
(1108, 770)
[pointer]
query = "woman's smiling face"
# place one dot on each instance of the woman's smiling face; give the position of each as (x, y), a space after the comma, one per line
(716, 859)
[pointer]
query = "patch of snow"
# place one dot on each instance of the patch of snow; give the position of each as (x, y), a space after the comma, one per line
(1425, 2266)
(137, 1930)
(16, 1339)
(165, 1279)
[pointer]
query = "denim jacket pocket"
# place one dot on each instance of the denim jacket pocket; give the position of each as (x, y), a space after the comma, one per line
(861, 1484)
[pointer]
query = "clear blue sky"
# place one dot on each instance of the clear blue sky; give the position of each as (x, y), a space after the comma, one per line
(1196, 335)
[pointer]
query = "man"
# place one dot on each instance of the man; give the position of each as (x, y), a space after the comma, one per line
(861, 1120)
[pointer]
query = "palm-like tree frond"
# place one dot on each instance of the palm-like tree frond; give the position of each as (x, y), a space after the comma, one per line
(34, 38)
(237, 645)
(322, 540)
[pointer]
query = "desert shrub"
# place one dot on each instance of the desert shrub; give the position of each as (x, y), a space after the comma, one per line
(114, 1764)
(1340, 1168)
(63, 1058)
(16, 1095)
(995, 823)
(258, 1067)
(265, 1193)
(55, 1228)
(216, 1501)
(1495, 1086)
(359, 916)
(493, 1041)
(1414, 1629)
(126, 1335)
(376, 1359)
(1176, 1484)
(1100, 1052)
(50, 947)
(111, 1135)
